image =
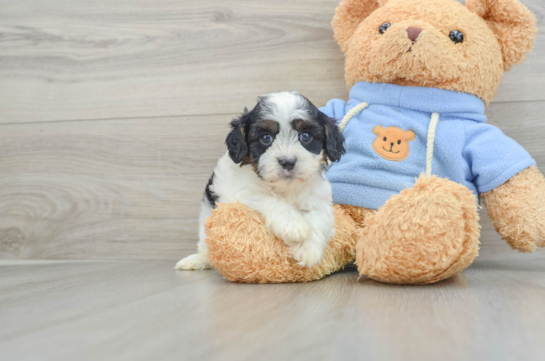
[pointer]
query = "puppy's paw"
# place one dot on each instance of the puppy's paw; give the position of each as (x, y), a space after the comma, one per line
(307, 253)
(292, 230)
(194, 262)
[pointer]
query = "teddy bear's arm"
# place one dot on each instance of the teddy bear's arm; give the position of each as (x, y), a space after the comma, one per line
(517, 210)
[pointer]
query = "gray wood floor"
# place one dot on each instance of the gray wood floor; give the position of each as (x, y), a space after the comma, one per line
(112, 115)
(137, 310)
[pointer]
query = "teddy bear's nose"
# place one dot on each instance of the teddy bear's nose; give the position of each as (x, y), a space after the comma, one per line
(413, 33)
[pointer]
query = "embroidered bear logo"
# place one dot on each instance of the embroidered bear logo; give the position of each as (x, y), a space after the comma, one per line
(392, 143)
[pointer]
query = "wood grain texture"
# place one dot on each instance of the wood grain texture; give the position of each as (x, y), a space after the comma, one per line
(120, 189)
(80, 59)
(130, 188)
(146, 310)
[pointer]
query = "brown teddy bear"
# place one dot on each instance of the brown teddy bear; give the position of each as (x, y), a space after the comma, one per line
(420, 73)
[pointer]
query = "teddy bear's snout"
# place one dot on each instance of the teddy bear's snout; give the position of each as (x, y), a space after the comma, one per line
(413, 33)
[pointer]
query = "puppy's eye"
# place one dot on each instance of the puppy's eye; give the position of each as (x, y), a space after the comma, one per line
(384, 139)
(456, 36)
(266, 139)
(305, 137)
(384, 27)
(399, 142)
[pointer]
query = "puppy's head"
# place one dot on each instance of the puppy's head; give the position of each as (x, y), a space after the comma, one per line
(285, 138)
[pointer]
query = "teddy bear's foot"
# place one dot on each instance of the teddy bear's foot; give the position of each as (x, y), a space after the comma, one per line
(242, 250)
(423, 235)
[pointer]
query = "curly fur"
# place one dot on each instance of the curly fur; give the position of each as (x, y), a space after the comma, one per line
(242, 250)
(516, 212)
(423, 235)
(498, 33)
(358, 215)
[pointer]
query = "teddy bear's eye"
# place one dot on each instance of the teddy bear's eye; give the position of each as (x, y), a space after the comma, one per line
(456, 36)
(384, 27)
(384, 139)
(399, 142)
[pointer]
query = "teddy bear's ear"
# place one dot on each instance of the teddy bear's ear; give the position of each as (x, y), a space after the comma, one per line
(409, 135)
(349, 14)
(377, 130)
(512, 23)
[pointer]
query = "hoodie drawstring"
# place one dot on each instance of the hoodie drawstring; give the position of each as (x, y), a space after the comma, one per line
(431, 139)
(358, 108)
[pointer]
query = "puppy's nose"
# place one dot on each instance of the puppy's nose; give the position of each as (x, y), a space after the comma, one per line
(413, 33)
(392, 144)
(287, 164)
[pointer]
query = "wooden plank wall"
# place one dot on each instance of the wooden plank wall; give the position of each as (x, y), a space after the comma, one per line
(113, 113)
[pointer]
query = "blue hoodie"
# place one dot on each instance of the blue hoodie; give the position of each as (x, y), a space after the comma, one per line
(466, 149)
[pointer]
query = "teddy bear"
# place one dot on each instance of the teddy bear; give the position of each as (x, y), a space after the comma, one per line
(419, 153)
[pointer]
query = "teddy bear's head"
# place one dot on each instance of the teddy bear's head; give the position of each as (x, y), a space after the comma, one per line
(434, 43)
(392, 143)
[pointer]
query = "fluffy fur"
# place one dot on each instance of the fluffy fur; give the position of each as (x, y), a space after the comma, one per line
(275, 165)
(425, 234)
(497, 33)
(243, 251)
(516, 212)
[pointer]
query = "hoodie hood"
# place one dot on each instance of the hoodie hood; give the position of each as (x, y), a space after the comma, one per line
(448, 103)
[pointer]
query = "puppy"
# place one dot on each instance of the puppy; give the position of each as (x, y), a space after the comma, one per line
(276, 160)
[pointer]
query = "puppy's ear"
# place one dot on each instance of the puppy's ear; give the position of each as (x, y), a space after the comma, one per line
(236, 140)
(334, 140)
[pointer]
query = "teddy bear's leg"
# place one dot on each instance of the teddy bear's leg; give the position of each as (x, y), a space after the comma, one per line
(358, 214)
(243, 251)
(517, 210)
(423, 235)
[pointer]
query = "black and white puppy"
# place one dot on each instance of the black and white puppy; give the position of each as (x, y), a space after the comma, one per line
(275, 164)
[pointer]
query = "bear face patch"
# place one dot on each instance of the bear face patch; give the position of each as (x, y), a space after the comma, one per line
(392, 143)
